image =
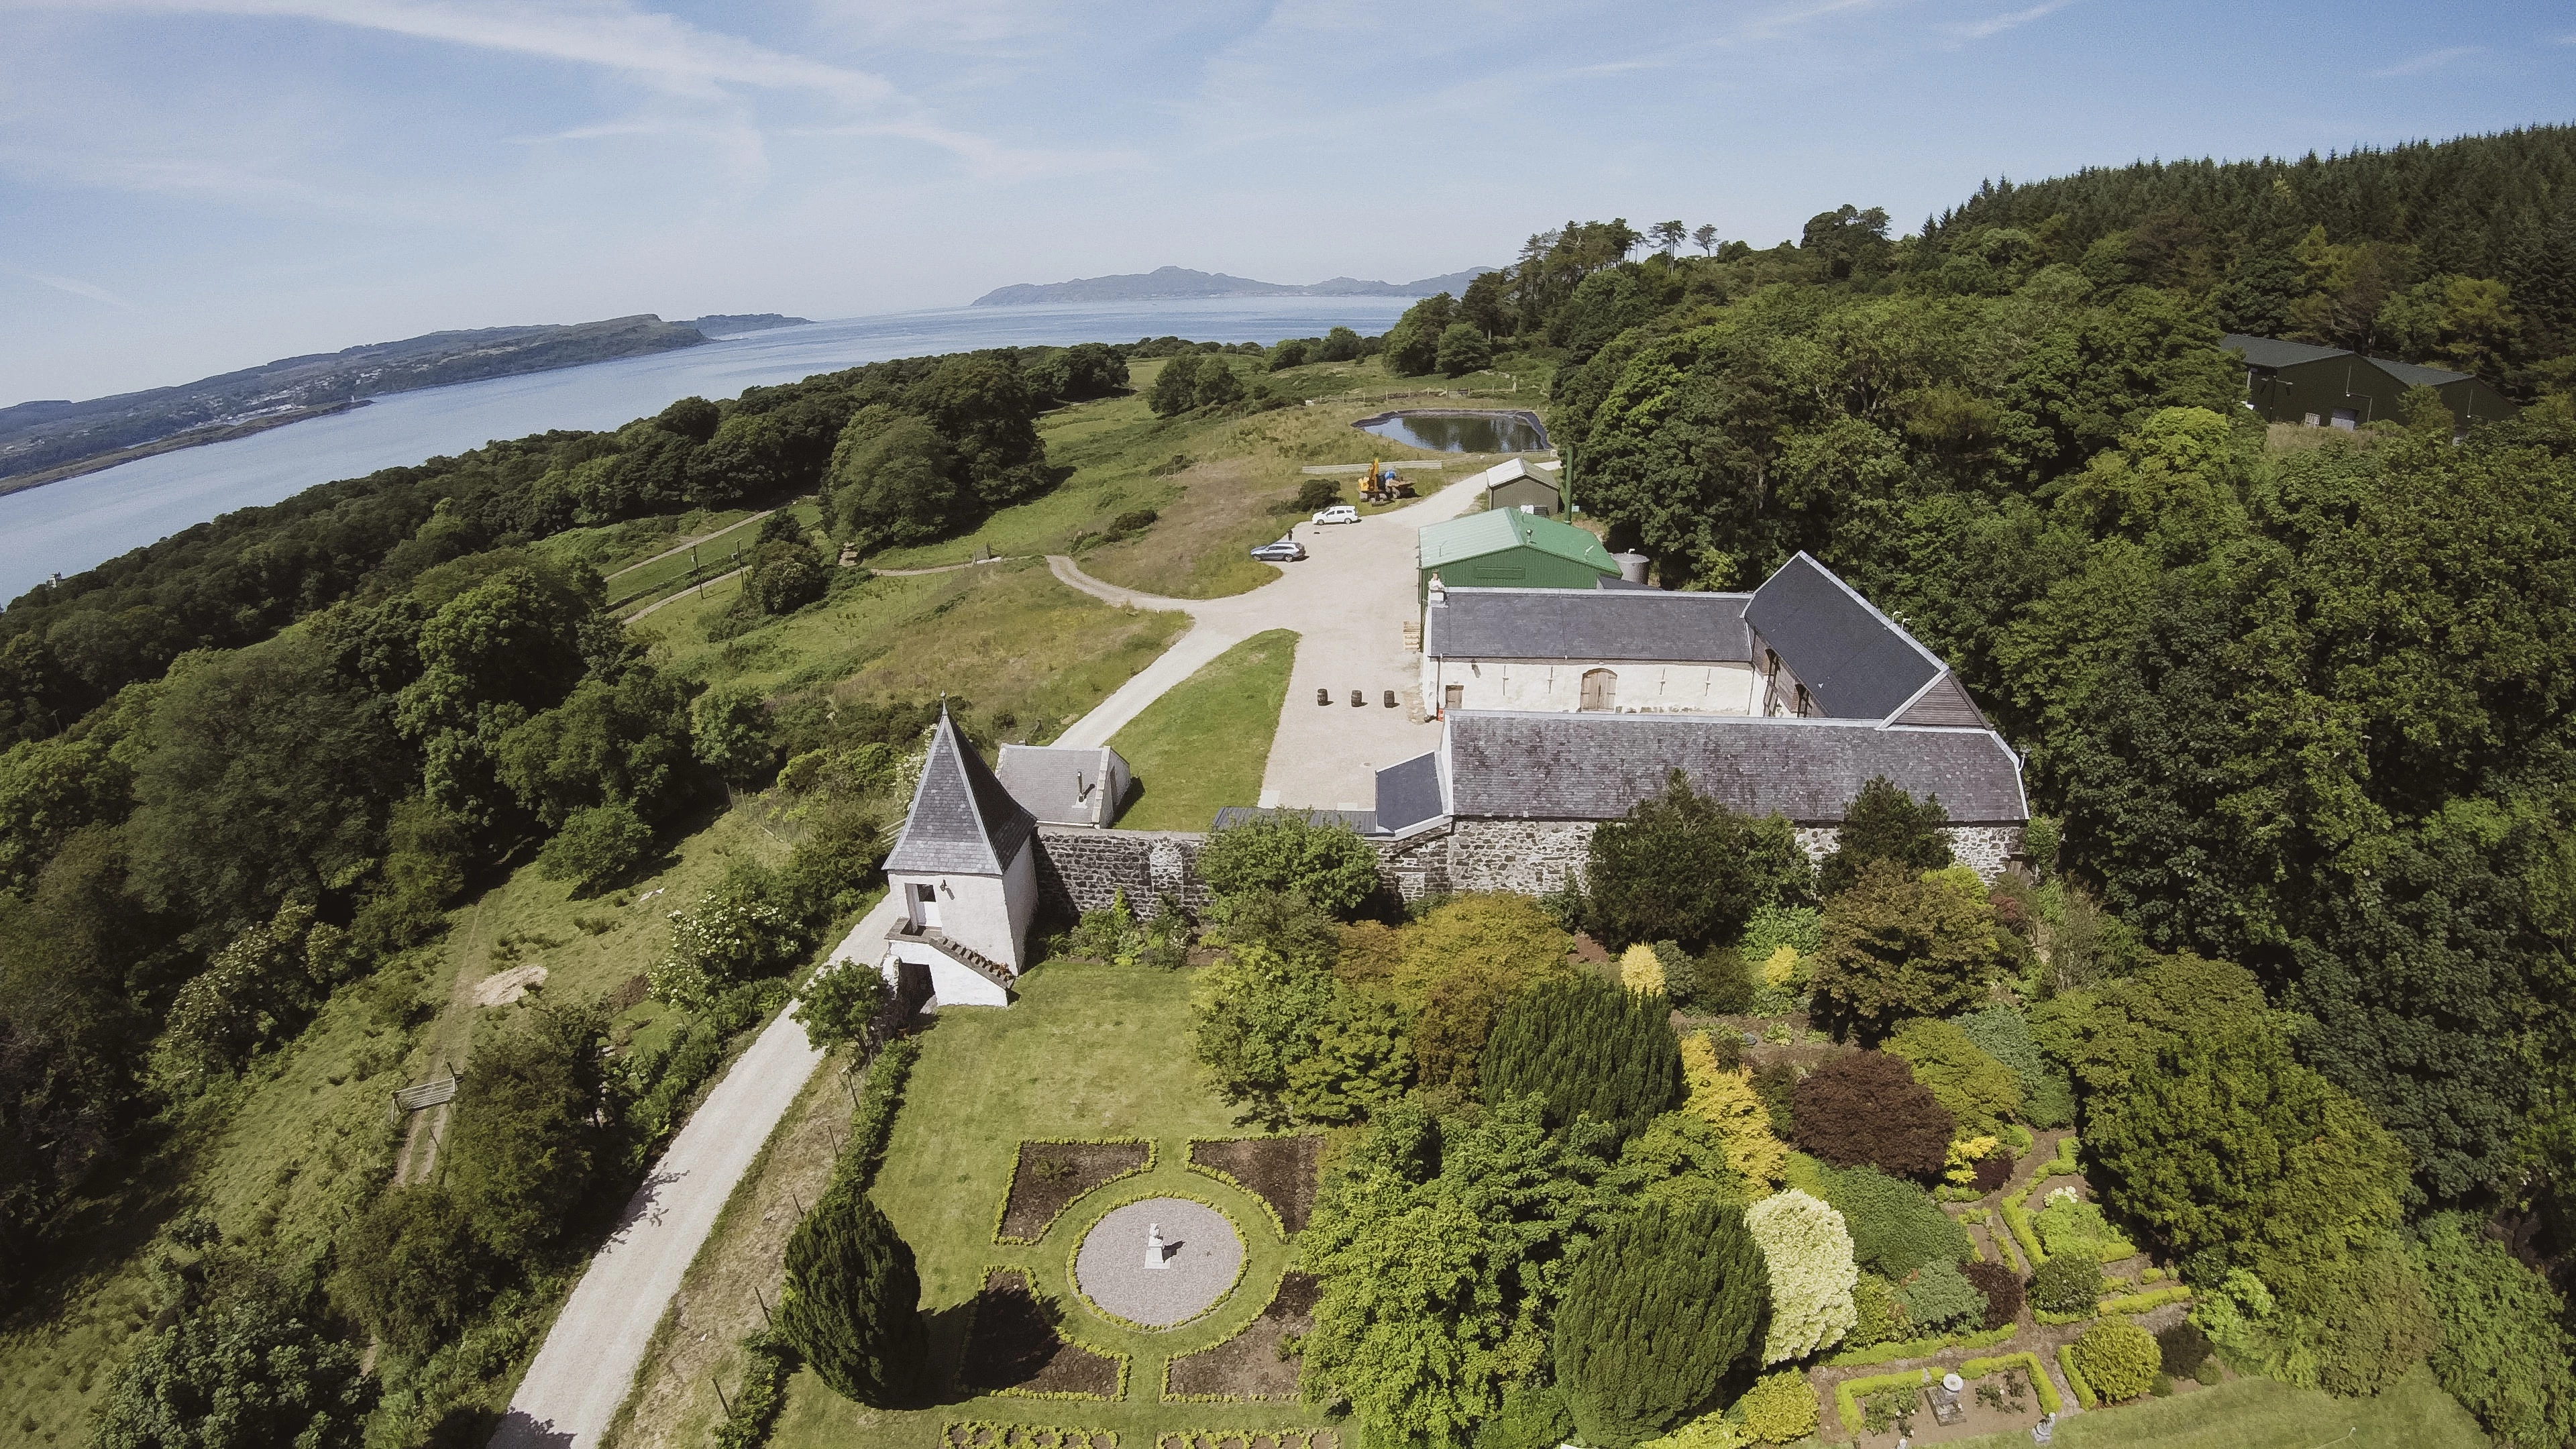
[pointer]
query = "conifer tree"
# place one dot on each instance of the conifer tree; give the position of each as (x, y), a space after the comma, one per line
(1658, 1311)
(852, 1303)
(1885, 823)
(1586, 1047)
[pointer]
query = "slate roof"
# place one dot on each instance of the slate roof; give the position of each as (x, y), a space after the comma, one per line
(1632, 623)
(1063, 786)
(962, 821)
(1408, 793)
(1363, 821)
(1498, 529)
(2273, 352)
(1855, 661)
(1518, 765)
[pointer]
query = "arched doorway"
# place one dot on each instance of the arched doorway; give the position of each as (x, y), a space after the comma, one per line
(1600, 689)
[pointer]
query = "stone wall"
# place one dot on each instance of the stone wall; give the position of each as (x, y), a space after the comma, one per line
(1083, 870)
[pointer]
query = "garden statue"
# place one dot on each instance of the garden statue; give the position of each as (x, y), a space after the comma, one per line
(2045, 1430)
(1155, 1256)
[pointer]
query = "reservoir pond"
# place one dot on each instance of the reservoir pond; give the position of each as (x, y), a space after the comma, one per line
(1461, 432)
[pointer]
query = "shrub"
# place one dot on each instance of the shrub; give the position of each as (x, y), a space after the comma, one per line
(1883, 823)
(1993, 1170)
(785, 575)
(2001, 1288)
(1681, 866)
(729, 729)
(1865, 1107)
(1897, 946)
(2071, 1225)
(1800, 928)
(2505, 1352)
(596, 846)
(240, 1362)
(1175, 389)
(840, 1002)
(1585, 1047)
(2119, 1359)
(1779, 1408)
(2068, 1284)
(524, 1147)
(2181, 1350)
(1977, 1089)
(1938, 1297)
(1317, 494)
(1719, 982)
(2001, 1032)
(1878, 1314)
(1895, 1226)
(411, 1269)
(1656, 1312)
(726, 939)
(1640, 971)
(852, 1301)
(1532, 1417)
(834, 867)
(1286, 852)
(1724, 1098)
(1807, 1251)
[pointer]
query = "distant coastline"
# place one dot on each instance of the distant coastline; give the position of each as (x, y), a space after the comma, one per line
(1176, 283)
(193, 438)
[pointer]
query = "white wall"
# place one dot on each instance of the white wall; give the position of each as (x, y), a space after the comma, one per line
(975, 910)
(1557, 687)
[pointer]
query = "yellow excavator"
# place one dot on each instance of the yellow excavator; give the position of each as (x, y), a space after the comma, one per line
(1383, 484)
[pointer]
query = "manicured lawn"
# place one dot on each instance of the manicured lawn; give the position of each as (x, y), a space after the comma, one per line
(2261, 1414)
(1202, 746)
(1088, 1051)
(1008, 637)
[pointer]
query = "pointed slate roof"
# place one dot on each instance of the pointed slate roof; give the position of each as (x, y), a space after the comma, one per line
(962, 821)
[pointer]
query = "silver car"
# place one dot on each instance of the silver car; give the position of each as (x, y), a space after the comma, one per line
(1286, 550)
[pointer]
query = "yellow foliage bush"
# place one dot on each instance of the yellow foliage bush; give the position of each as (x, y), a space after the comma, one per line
(1725, 1099)
(1785, 969)
(1963, 1158)
(1640, 970)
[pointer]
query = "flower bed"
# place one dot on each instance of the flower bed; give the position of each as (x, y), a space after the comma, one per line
(1013, 1347)
(1249, 1365)
(1278, 1170)
(1248, 1439)
(1050, 1173)
(982, 1434)
(2049, 1402)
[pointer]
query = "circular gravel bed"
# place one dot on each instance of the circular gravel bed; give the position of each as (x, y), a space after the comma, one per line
(1201, 1250)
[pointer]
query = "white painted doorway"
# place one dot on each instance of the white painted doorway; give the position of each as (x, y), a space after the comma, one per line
(925, 905)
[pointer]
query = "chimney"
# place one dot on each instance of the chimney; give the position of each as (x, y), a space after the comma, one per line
(1632, 566)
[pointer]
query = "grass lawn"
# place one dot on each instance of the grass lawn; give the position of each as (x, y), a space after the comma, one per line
(1202, 746)
(716, 555)
(2260, 1414)
(1008, 637)
(1088, 1051)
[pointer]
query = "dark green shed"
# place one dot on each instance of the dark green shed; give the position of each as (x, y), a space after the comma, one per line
(2331, 387)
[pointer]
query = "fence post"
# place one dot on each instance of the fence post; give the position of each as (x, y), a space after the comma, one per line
(720, 1396)
(763, 1300)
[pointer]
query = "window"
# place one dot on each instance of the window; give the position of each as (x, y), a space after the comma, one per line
(2347, 419)
(1453, 696)
(1600, 689)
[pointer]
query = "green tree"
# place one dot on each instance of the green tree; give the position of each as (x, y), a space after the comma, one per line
(833, 869)
(1280, 1035)
(2506, 1352)
(1176, 387)
(1341, 344)
(1586, 1048)
(894, 481)
(1807, 1253)
(1681, 866)
(1898, 946)
(729, 728)
(524, 1147)
(852, 1304)
(785, 575)
(411, 1269)
(242, 1364)
(1442, 1248)
(1658, 1311)
(620, 734)
(596, 847)
(2226, 1146)
(1463, 349)
(2001, 1032)
(1885, 823)
(839, 1003)
(1413, 343)
(1288, 852)
(1974, 1087)
(1459, 965)
(1218, 384)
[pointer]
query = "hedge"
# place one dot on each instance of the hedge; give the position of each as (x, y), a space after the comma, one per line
(985, 1434)
(872, 1122)
(1211, 1438)
(768, 1362)
(2075, 1377)
(1919, 1347)
(2141, 1302)
(2019, 1222)
(1002, 1209)
(1847, 1393)
(2049, 1402)
(2063, 1164)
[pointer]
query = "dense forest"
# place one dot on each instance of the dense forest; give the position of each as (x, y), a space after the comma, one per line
(2295, 706)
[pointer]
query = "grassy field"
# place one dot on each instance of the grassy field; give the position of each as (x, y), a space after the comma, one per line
(716, 554)
(2261, 1414)
(614, 547)
(1006, 636)
(1203, 745)
(1089, 1051)
(1218, 483)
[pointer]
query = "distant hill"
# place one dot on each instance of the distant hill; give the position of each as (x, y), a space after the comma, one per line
(41, 442)
(1165, 282)
(735, 324)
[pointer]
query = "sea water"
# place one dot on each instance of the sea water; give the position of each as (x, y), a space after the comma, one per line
(81, 522)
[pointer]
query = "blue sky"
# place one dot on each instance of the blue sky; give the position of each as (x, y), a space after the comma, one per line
(193, 185)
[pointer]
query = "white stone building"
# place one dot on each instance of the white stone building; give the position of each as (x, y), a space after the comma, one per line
(965, 874)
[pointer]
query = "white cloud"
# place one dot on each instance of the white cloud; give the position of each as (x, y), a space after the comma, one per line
(2429, 60)
(73, 285)
(1997, 25)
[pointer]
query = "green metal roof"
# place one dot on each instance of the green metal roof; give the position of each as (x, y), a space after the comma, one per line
(2414, 376)
(1501, 529)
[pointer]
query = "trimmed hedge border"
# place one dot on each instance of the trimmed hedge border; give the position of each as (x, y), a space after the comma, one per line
(770, 1360)
(1190, 1162)
(2049, 1402)
(2064, 1163)
(1002, 1209)
(968, 1434)
(1920, 1347)
(1242, 1264)
(2075, 1377)
(2019, 1222)
(966, 1339)
(2151, 1299)
(872, 1121)
(1281, 1437)
(1847, 1393)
